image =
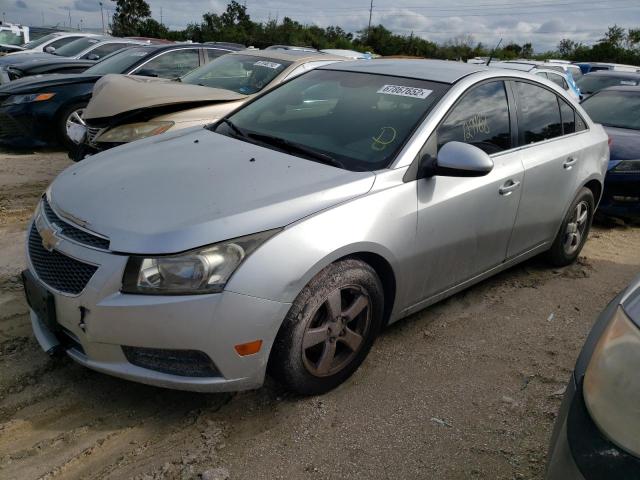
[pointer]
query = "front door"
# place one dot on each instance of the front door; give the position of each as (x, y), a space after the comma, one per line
(465, 224)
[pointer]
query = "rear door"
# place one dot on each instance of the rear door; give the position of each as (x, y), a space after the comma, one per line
(552, 153)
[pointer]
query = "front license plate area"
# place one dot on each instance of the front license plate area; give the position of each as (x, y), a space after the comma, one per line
(41, 301)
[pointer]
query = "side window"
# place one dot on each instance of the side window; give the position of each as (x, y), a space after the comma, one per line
(104, 50)
(557, 79)
(542, 74)
(539, 117)
(213, 53)
(568, 115)
(480, 118)
(580, 123)
(171, 64)
(62, 42)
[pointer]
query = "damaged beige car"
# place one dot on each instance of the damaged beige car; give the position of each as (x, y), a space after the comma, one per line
(128, 108)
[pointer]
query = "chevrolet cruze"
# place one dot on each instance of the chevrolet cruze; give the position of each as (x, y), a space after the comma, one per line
(283, 237)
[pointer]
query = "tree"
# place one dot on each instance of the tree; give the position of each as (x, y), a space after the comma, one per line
(566, 48)
(615, 37)
(129, 16)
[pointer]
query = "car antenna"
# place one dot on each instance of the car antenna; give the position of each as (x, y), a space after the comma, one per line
(493, 51)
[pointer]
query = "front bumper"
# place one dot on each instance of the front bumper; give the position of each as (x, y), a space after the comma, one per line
(621, 197)
(580, 451)
(27, 125)
(101, 320)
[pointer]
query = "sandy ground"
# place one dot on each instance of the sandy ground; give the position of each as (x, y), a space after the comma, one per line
(466, 389)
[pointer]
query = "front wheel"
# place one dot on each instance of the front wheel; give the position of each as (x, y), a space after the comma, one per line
(329, 329)
(69, 120)
(574, 230)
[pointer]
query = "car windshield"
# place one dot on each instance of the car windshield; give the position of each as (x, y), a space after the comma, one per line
(40, 41)
(119, 62)
(74, 48)
(615, 109)
(10, 38)
(244, 74)
(357, 121)
(594, 83)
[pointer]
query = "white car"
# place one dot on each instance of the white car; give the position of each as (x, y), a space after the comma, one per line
(50, 43)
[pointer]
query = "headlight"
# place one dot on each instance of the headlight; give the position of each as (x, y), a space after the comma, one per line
(29, 98)
(134, 131)
(627, 166)
(612, 383)
(205, 270)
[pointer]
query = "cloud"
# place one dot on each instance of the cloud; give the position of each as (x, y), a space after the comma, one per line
(87, 5)
(21, 4)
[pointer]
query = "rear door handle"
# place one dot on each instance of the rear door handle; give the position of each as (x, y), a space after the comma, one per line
(508, 188)
(569, 163)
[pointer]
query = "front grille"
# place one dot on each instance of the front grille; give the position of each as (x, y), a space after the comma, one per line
(69, 231)
(60, 272)
(92, 133)
(185, 363)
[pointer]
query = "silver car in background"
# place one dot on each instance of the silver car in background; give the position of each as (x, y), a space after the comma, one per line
(284, 237)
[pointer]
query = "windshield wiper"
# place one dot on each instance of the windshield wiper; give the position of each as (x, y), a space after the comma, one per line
(237, 130)
(296, 147)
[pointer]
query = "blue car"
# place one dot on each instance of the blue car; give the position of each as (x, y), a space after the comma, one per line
(618, 110)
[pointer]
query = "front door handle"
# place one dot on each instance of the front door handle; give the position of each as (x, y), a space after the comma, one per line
(569, 163)
(508, 188)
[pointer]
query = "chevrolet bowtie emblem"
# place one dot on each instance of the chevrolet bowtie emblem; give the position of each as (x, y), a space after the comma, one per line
(48, 233)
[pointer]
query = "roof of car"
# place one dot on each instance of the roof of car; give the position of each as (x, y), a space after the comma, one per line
(622, 88)
(614, 73)
(433, 70)
(288, 55)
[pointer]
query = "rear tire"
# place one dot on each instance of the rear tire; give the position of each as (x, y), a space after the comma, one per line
(329, 329)
(574, 230)
(71, 114)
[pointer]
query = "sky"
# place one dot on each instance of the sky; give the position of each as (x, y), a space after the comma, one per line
(541, 22)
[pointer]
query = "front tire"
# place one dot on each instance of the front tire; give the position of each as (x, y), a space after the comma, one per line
(574, 230)
(329, 329)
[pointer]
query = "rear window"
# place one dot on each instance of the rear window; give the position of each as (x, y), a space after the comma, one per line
(614, 109)
(75, 47)
(120, 62)
(593, 83)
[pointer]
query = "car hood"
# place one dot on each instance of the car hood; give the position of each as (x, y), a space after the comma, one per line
(625, 143)
(176, 192)
(117, 94)
(19, 57)
(38, 82)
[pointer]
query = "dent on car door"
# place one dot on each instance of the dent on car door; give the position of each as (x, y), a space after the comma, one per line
(551, 158)
(464, 224)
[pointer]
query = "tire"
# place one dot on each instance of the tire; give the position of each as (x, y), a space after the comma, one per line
(574, 230)
(336, 317)
(65, 115)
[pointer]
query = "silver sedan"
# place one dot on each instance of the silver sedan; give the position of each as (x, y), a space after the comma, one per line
(282, 238)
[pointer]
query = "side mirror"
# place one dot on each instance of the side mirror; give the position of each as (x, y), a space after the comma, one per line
(50, 49)
(458, 159)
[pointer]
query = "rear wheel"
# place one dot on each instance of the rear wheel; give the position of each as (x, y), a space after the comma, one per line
(69, 119)
(330, 328)
(574, 230)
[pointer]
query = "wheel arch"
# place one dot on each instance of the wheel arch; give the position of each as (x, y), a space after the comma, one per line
(596, 188)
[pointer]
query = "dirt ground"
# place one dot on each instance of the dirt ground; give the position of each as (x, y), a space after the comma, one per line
(466, 389)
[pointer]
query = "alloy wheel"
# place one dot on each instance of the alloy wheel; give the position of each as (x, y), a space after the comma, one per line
(337, 331)
(576, 228)
(75, 118)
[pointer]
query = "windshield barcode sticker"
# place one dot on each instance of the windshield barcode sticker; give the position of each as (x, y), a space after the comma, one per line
(413, 92)
(264, 63)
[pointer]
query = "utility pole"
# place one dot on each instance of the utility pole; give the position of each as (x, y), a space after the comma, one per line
(161, 16)
(102, 17)
(68, 8)
(370, 14)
